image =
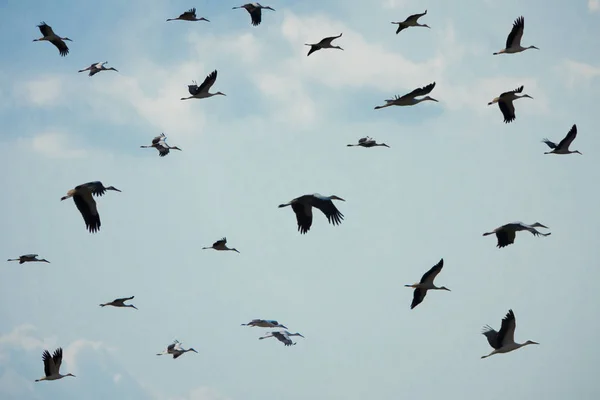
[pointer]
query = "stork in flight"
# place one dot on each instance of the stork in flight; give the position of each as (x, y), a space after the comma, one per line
(563, 146)
(504, 340)
(410, 21)
(83, 197)
(265, 323)
(303, 205)
(506, 233)
(220, 245)
(323, 44)
(160, 144)
(97, 67)
(282, 336)
(53, 38)
(254, 9)
(52, 366)
(120, 303)
(505, 102)
(409, 98)
(367, 142)
(29, 258)
(513, 41)
(201, 92)
(426, 284)
(189, 15)
(176, 350)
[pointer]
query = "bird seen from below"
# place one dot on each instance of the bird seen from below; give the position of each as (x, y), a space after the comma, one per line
(220, 245)
(176, 350)
(504, 340)
(160, 144)
(255, 11)
(97, 67)
(323, 44)
(265, 323)
(513, 41)
(409, 98)
(505, 103)
(82, 196)
(426, 284)
(410, 21)
(189, 15)
(201, 92)
(120, 303)
(52, 366)
(53, 38)
(28, 258)
(303, 205)
(563, 146)
(282, 336)
(506, 233)
(367, 142)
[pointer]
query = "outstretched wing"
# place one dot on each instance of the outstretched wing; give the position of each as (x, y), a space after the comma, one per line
(190, 13)
(492, 336)
(517, 90)
(550, 144)
(413, 18)
(507, 330)
(57, 358)
(208, 82)
(566, 142)
(515, 35)
(47, 359)
(304, 216)
(45, 29)
(328, 40)
(419, 92)
(505, 237)
(256, 16)
(418, 296)
(433, 272)
(334, 216)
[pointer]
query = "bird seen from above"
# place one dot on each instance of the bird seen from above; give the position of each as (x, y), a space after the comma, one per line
(50, 36)
(255, 11)
(189, 15)
(176, 350)
(505, 103)
(504, 340)
(323, 44)
(303, 205)
(409, 98)
(410, 21)
(160, 144)
(265, 323)
(426, 284)
(563, 146)
(52, 366)
(282, 336)
(201, 92)
(220, 245)
(83, 197)
(97, 67)
(28, 258)
(506, 233)
(513, 41)
(367, 142)
(120, 303)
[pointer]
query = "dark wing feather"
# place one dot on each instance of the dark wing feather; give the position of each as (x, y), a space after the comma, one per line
(256, 16)
(433, 272)
(313, 48)
(46, 358)
(193, 89)
(566, 142)
(57, 358)
(517, 90)
(303, 216)
(418, 296)
(401, 27)
(550, 144)
(492, 336)
(92, 221)
(507, 323)
(208, 82)
(420, 91)
(45, 29)
(334, 216)
(415, 17)
(505, 238)
(62, 47)
(516, 32)
(162, 151)
(190, 13)
(282, 338)
(508, 110)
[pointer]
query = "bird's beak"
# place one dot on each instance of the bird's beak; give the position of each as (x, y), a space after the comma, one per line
(534, 342)
(339, 198)
(283, 326)
(301, 335)
(448, 289)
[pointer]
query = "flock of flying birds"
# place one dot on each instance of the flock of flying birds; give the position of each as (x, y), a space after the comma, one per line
(501, 341)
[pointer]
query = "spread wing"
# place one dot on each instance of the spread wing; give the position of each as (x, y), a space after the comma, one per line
(256, 16)
(419, 92)
(88, 212)
(57, 358)
(550, 144)
(508, 110)
(334, 216)
(304, 216)
(505, 237)
(566, 142)
(48, 363)
(515, 35)
(190, 13)
(507, 330)
(418, 296)
(492, 336)
(208, 82)
(517, 90)
(433, 272)
(45, 29)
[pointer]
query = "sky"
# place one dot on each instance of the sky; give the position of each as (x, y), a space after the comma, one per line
(453, 171)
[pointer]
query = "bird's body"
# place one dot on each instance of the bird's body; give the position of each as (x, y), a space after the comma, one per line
(303, 205)
(83, 197)
(160, 144)
(220, 245)
(52, 366)
(410, 21)
(426, 284)
(282, 336)
(323, 44)
(563, 146)
(504, 340)
(409, 98)
(120, 303)
(201, 92)
(513, 41)
(367, 142)
(506, 233)
(505, 103)
(176, 350)
(28, 258)
(50, 36)
(97, 67)
(255, 11)
(189, 15)
(265, 323)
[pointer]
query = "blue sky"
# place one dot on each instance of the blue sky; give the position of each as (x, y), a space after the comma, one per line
(454, 171)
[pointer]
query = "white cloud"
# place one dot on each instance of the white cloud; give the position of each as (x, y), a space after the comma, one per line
(72, 350)
(393, 4)
(40, 92)
(593, 5)
(579, 73)
(21, 337)
(55, 145)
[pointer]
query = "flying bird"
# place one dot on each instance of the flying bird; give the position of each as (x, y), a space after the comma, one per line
(176, 350)
(265, 323)
(52, 366)
(303, 205)
(53, 38)
(282, 336)
(28, 258)
(189, 15)
(220, 245)
(323, 44)
(97, 67)
(83, 197)
(160, 144)
(410, 21)
(506, 233)
(513, 41)
(563, 146)
(426, 284)
(201, 92)
(254, 9)
(367, 142)
(409, 98)
(120, 303)
(505, 102)
(504, 341)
